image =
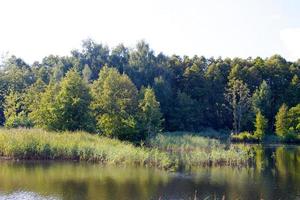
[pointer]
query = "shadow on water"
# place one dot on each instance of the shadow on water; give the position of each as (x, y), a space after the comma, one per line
(275, 175)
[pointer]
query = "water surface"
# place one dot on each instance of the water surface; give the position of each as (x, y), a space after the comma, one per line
(276, 175)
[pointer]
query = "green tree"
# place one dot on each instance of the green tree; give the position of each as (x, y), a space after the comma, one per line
(238, 96)
(64, 106)
(44, 114)
(294, 119)
(73, 104)
(184, 116)
(261, 99)
(32, 95)
(281, 123)
(15, 113)
(150, 116)
(293, 91)
(115, 104)
(261, 124)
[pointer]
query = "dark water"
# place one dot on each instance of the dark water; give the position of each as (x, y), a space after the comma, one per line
(276, 175)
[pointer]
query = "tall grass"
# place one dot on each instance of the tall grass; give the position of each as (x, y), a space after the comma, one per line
(168, 151)
(39, 144)
(193, 150)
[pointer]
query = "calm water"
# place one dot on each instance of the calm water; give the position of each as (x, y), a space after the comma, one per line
(276, 175)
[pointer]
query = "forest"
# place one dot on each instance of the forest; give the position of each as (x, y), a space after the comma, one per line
(133, 93)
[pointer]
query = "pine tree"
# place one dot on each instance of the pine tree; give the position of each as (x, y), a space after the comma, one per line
(281, 123)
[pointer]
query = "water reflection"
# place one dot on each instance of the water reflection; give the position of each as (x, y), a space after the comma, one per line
(275, 175)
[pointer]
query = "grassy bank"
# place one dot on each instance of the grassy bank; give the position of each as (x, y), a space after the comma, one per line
(39, 144)
(168, 151)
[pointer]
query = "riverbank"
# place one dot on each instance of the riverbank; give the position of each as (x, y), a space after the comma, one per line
(165, 151)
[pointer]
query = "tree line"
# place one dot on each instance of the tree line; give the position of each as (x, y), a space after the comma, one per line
(132, 92)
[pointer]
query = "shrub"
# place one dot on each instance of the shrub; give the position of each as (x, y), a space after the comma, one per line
(245, 137)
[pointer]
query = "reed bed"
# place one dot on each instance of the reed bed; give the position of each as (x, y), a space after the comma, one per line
(170, 151)
(36, 144)
(194, 150)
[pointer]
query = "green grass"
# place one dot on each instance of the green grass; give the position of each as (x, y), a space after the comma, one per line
(39, 144)
(170, 151)
(193, 150)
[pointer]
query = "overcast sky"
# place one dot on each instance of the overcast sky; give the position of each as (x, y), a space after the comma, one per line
(33, 29)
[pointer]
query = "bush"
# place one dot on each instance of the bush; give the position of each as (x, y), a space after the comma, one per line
(245, 137)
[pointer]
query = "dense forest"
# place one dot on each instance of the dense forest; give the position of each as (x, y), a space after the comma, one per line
(131, 93)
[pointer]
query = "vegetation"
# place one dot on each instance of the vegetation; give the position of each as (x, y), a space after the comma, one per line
(244, 137)
(133, 93)
(281, 121)
(163, 151)
(239, 99)
(39, 144)
(194, 150)
(261, 124)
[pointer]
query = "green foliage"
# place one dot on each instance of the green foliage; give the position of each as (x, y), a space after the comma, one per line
(115, 104)
(65, 106)
(294, 119)
(15, 113)
(282, 121)
(44, 113)
(190, 90)
(73, 102)
(261, 99)
(238, 96)
(150, 115)
(245, 137)
(261, 124)
(184, 116)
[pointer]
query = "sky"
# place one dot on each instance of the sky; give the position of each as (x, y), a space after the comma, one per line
(33, 29)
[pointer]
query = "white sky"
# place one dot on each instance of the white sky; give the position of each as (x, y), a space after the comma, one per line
(32, 29)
